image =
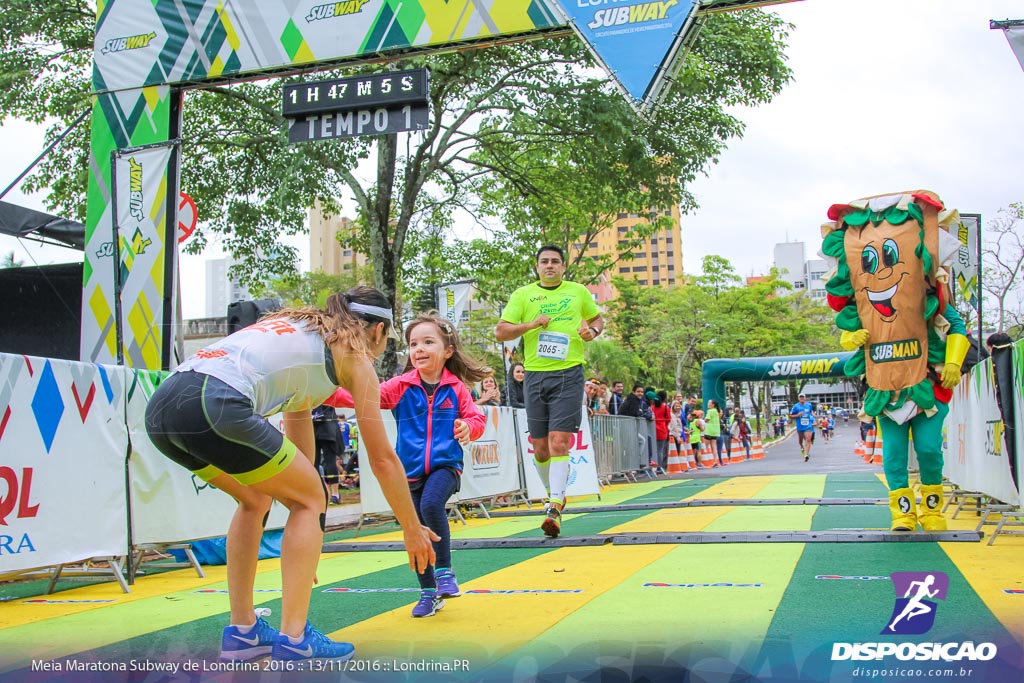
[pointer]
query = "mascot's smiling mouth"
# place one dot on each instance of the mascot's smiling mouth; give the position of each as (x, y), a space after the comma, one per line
(882, 301)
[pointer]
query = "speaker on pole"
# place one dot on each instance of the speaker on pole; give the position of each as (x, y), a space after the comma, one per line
(244, 313)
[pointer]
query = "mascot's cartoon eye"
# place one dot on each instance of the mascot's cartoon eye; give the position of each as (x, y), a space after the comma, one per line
(890, 253)
(869, 260)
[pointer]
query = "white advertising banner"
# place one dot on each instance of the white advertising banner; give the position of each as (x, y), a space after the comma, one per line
(169, 503)
(974, 451)
(63, 439)
(490, 464)
(582, 465)
(451, 300)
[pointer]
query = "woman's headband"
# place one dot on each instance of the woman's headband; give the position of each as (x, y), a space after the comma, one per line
(377, 312)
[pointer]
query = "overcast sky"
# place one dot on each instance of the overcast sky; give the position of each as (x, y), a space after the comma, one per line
(887, 95)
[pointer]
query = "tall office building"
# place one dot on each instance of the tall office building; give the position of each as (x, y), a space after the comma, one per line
(326, 254)
(806, 275)
(221, 289)
(657, 263)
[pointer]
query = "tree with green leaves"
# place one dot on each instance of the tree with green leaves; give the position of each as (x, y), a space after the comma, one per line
(672, 331)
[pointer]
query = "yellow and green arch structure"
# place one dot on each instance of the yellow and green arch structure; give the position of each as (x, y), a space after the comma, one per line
(770, 611)
(147, 51)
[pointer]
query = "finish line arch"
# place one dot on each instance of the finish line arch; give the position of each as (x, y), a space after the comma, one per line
(715, 372)
(147, 52)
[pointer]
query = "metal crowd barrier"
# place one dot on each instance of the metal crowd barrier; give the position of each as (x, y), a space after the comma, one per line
(620, 446)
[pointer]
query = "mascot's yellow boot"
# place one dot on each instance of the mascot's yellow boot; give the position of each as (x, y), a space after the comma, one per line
(931, 516)
(904, 512)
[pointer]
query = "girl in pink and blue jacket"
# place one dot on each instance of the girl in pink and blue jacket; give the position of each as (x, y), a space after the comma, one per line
(436, 415)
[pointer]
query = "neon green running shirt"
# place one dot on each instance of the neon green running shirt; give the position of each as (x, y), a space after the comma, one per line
(559, 345)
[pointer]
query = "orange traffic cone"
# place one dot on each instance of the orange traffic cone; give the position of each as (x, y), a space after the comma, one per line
(756, 448)
(876, 455)
(676, 461)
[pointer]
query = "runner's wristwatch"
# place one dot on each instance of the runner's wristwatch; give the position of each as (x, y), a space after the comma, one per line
(596, 331)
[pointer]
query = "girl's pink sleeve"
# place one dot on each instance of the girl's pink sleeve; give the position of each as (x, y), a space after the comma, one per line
(342, 398)
(470, 413)
(390, 392)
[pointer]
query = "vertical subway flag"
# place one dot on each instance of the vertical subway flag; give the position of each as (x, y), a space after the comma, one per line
(967, 262)
(632, 39)
(451, 300)
(140, 194)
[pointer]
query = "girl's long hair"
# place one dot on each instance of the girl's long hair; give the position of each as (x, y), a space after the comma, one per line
(335, 322)
(461, 364)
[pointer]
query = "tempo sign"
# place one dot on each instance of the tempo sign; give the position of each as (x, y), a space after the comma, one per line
(347, 124)
(371, 104)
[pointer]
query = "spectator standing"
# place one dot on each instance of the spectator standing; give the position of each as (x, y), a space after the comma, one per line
(513, 397)
(327, 434)
(713, 430)
(489, 394)
(632, 406)
(662, 416)
(616, 399)
(675, 427)
(696, 433)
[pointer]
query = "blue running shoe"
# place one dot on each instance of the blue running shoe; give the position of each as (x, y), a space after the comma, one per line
(428, 605)
(314, 646)
(238, 646)
(447, 586)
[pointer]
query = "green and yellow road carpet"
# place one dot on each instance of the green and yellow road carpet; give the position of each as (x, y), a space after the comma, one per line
(693, 612)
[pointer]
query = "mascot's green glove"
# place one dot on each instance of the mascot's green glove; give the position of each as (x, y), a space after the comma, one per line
(853, 340)
(956, 350)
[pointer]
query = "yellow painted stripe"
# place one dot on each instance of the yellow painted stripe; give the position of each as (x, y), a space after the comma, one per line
(156, 602)
(990, 569)
(499, 624)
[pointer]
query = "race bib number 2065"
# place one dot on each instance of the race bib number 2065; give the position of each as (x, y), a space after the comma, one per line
(554, 345)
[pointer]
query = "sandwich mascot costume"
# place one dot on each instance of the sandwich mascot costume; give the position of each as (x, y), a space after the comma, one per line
(890, 290)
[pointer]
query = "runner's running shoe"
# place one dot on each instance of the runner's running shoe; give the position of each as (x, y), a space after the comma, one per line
(314, 646)
(447, 586)
(428, 604)
(552, 524)
(238, 646)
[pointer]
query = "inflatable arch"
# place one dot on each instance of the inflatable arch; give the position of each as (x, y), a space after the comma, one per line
(716, 371)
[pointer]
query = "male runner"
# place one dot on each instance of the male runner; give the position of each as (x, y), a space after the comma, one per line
(803, 415)
(555, 317)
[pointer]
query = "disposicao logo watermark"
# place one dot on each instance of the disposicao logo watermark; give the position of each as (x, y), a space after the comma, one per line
(914, 613)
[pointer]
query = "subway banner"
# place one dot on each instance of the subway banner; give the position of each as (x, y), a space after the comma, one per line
(141, 43)
(451, 300)
(140, 191)
(967, 266)
(614, 30)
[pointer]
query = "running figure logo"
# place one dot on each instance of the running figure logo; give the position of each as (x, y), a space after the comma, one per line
(914, 612)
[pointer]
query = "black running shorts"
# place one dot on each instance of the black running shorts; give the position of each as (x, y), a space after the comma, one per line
(210, 428)
(554, 401)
